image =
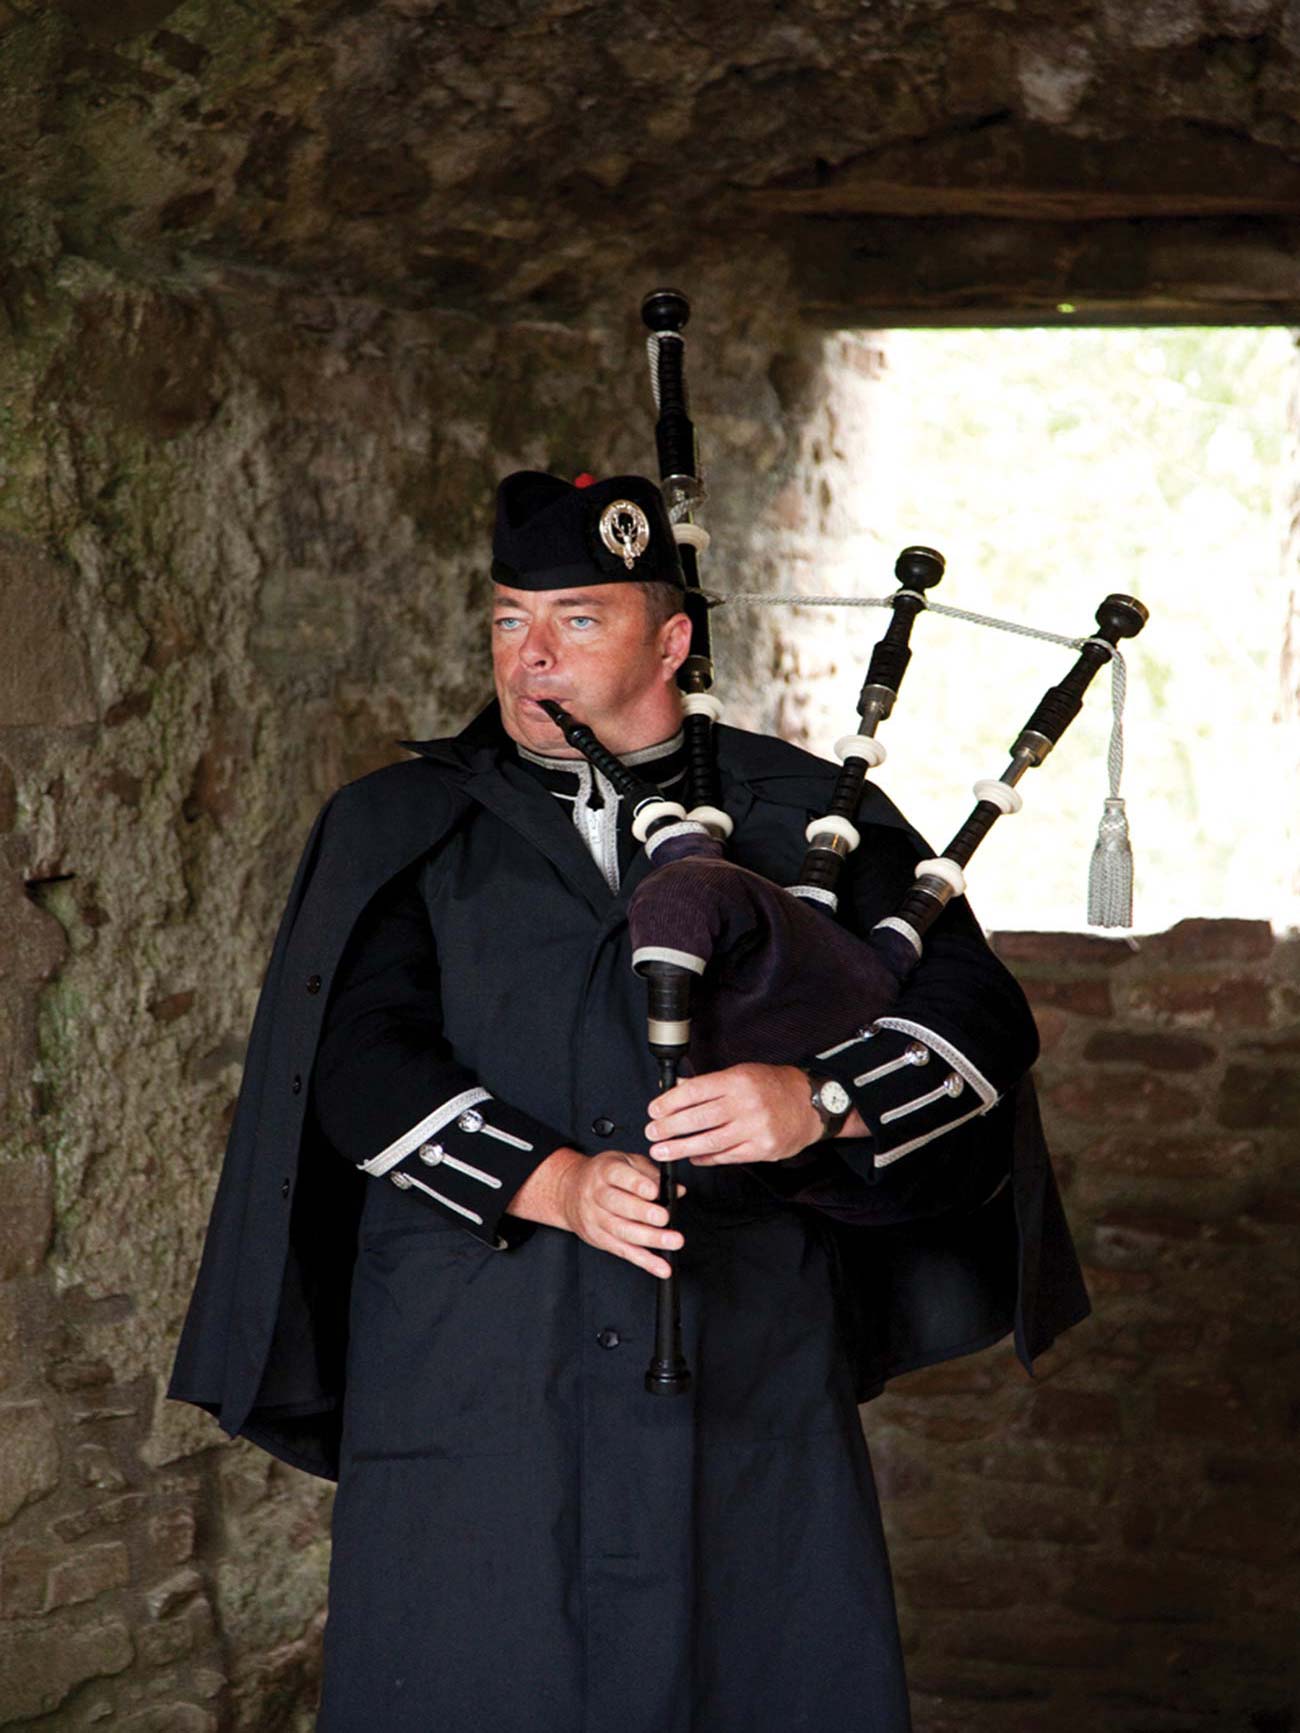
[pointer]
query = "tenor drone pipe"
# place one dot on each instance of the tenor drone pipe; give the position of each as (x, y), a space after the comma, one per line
(834, 836)
(665, 312)
(939, 880)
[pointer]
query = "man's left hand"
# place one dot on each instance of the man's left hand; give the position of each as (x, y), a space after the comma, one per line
(745, 1113)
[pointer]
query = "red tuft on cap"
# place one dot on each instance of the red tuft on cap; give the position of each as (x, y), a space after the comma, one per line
(584, 480)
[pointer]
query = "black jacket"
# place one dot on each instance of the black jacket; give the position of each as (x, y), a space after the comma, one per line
(937, 1272)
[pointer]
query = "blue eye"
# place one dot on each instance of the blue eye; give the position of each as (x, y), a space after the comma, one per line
(581, 621)
(506, 623)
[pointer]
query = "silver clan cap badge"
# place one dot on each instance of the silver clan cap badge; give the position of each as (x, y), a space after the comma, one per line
(625, 530)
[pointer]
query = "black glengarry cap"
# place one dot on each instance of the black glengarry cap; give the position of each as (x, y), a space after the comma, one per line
(550, 533)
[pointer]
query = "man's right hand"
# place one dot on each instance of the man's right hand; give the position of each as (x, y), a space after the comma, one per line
(609, 1200)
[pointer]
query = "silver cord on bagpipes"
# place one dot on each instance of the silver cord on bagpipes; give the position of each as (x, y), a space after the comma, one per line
(1110, 871)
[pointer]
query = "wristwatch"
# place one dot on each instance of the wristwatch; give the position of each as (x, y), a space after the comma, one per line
(832, 1101)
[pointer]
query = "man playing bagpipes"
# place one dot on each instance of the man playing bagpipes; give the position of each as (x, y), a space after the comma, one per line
(429, 1262)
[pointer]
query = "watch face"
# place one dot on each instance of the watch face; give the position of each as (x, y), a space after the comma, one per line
(834, 1097)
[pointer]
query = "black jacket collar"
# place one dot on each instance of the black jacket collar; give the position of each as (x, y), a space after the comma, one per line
(786, 774)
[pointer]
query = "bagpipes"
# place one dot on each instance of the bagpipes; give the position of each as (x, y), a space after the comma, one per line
(737, 968)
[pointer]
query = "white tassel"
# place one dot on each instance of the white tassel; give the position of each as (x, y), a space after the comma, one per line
(1110, 873)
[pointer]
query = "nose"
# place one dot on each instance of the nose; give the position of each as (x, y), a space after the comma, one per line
(538, 649)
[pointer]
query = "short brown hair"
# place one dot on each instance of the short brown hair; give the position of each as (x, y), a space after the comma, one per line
(662, 601)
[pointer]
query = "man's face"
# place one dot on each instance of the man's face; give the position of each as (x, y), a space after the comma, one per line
(593, 650)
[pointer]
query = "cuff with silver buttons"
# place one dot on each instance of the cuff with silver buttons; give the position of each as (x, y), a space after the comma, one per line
(467, 1158)
(910, 1085)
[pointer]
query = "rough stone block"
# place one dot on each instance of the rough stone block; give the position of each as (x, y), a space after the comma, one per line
(95, 1467)
(935, 1579)
(207, 1683)
(171, 1007)
(1019, 1459)
(933, 1714)
(1086, 997)
(1168, 1339)
(128, 709)
(1140, 1524)
(213, 788)
(163, 1644)
(46, 683)
(1190, 1155)
(1110, 1276)
(29, 1455)
(1211, 941)
(951, 1378)
(1208, 1411)
(1052, 1026)
(167, 1596)
(171, 1536)
(41, 1664)
(1069, 1415)
(171, 1718)
(34, 1580)
(1205, 1001)
(122, 787)
(900, 1470)
(1159, 1051)
(1275, 1473)
(73, 1372)
(1155, 1224)
(1270, 1208)
(1062, 950)
(32, 943)
(1048, 1641)
(1249, 1525)
(1123, 1247)
(1015, 1518)
(22, 1581)
(87, 1574)
(1168, 1591)
(111, 1513)
(1132, 1096)
(26, 1214)
(1259, 1097)
(937, 1518)
(971, 1686)
(955, 1425)
(1280, 1047)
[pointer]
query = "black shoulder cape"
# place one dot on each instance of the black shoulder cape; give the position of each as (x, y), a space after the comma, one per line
(264, 1342)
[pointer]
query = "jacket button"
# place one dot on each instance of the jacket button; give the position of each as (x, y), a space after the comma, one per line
(602, 1126)
(296, 1085)
(313, 983)
(284, 1188)
(608, 1338)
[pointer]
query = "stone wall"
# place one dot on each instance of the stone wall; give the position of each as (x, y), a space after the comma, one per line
(1114, 1544)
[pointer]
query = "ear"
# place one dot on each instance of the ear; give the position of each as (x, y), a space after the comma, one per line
(674, 644)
